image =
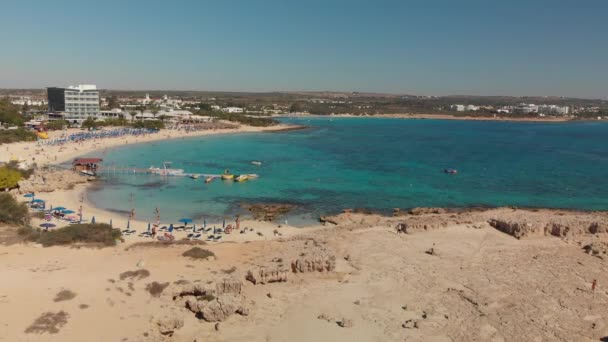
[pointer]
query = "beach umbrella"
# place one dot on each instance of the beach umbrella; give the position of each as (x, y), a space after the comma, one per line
(60, 208)
(67, 211)
(48, 225)
(111, 223)
(51, 208)
(37, 201)
(204, 223)
(129, 224)
(185, 220)
(93, 220)
(29, 195)
(224, 223)
(194, 228)
(149, 228)
(171, 228)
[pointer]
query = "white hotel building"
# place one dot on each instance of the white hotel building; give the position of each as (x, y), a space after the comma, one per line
(74, 103)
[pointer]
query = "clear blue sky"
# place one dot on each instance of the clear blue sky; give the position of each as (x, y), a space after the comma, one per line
(485, 47)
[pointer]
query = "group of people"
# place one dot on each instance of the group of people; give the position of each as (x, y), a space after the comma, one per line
(110, 133)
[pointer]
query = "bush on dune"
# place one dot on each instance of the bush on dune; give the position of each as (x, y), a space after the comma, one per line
(11, 211)
(16, 135)
(88, 233)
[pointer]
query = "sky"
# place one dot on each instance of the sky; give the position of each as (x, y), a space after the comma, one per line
(432, 47)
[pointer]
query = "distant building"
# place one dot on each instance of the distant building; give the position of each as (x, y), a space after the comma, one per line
(553, 109)
(115, 113)
(27, 100)
(458, 108)
(526, 109)
(472, 108)
(232, 110)
(75, 103)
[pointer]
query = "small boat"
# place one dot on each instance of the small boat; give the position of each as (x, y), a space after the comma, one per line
(241, 178)
(87, 173)
(227, 175)
(451, 171)
(258, 163)
(194, 176)
(165, 170)
(209, 179)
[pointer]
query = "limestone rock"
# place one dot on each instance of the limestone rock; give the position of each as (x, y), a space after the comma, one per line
(51, 180)
(168, 324)
(317, 262)
(517, 229)
(218, 309)
(267, 275)
(345, 323)
(232, 286)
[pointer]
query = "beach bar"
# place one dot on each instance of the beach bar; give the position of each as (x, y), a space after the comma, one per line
(87, 166)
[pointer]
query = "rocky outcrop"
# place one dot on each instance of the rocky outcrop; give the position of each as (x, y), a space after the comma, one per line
(219, 308)
(212, 304)
(267, 275)
(44, 180)
(517, 229)
(597, 248)
(566, 229)
(316, 262)
(168, 323)
(425, 211)
(231, 286)
(268, 211)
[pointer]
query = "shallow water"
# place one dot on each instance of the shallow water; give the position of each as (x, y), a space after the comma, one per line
(370, 163)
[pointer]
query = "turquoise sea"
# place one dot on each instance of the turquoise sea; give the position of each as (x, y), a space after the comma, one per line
(377, 164)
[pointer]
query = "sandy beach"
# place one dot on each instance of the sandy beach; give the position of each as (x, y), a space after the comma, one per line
(449, 277)
(45, 155)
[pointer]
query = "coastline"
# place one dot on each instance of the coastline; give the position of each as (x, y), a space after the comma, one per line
(440, 117)
(76, 197)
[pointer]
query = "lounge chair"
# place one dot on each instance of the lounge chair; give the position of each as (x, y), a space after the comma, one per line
(217, 238)
(197, 236)
(210, 237)
(190, 236)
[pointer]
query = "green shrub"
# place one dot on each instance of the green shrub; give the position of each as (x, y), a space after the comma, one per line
(9, 113)
(9, 178)
(11, 211)
(56, 125)
(198, 253)
(16, 135)
(25, 174)
(98, 233)
(151, 124)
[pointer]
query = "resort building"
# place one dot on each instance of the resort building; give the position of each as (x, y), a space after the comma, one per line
(114, 113)
(74, 103)
(232, 109)
(458, 108)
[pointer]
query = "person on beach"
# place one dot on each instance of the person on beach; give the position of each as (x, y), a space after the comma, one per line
(593, 284)
(154, 232)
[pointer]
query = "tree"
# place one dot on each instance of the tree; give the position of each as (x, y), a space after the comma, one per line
(89, 123)
(9, 113)
(295, 108)
(11, 211)
(56, 124)
(9, 178)
(113, 102)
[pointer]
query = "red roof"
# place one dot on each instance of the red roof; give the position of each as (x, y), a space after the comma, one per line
(86, 161)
